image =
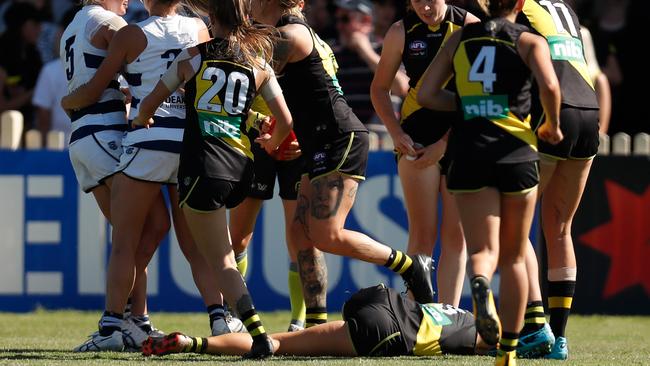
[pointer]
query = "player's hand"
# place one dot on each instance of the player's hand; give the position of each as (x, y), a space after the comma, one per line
(550, 133)
(127, 95)
(140, 121)
(403, 144)
(263, 124)
(264, 141)
(430, 155)
(292, 152)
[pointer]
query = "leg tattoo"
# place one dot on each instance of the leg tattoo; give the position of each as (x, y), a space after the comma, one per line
(313, 273)
(301, 214)
(326, 196)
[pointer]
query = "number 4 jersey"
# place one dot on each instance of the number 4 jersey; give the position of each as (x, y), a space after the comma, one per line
(493, 85)
(217, 101)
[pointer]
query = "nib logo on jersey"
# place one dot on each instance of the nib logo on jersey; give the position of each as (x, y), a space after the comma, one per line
(488, 106)
(565, 48)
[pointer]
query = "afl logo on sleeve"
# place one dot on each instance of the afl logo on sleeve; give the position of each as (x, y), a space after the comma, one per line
(418, 48)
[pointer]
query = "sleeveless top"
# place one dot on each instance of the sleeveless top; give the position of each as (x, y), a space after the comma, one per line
(217, 100)
(493, 86)
(166, 37)
(313, 94)
(81, 60)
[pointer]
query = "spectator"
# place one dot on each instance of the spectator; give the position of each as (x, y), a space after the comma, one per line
(357, 54)
(51, 86)
(20, 61)
(384, 14)
(319, 16)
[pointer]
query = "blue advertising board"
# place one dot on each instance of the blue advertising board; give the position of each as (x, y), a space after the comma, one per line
(56, 242)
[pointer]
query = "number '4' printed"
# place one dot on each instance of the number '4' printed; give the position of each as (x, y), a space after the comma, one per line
(484, 61)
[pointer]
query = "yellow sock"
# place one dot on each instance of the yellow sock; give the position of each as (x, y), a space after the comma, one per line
(295, 296)
(242, 262)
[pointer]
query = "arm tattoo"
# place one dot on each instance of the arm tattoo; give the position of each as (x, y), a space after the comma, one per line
(326, 197)
(313, 274)
(281, 52)
(301, 214)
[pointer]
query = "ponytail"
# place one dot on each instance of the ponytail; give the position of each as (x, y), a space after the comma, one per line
(246, 42)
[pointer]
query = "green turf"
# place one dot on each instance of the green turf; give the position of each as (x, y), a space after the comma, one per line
(46, 338)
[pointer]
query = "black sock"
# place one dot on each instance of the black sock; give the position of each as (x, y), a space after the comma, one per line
(109, 323)
(315, 316)
(127, 308)
(534, 319)
(398, 262)
(199, 345)
(216, 311)
(560, 297)
(254, 325)
(508, 342)
(143, 323)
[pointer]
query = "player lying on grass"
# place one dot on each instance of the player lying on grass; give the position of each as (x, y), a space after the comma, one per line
(378, 321)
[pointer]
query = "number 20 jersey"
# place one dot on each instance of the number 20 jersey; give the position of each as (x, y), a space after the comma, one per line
(493, 85)
(217, 101)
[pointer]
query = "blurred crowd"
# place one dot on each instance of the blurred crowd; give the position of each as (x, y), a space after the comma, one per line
(32, 77)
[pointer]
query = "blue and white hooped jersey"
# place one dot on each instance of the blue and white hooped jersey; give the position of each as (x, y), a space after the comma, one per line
(166, 38)
(81, 60)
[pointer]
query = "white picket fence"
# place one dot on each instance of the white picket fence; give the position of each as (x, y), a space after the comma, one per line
(621, 144)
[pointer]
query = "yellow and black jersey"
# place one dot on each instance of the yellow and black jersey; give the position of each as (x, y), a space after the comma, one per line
(558, 23)
(217, 100)
(313, 93)
(382, 322)
(493, 86)
(421, 44)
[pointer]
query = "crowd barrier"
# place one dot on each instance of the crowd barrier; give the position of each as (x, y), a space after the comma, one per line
(56, 243)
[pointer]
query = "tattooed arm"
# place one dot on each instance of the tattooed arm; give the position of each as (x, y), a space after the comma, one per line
(295, 44)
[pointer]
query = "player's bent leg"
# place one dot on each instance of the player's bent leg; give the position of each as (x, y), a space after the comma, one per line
(210, 232)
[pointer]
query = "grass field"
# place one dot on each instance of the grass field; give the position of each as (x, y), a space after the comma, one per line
(46, 338)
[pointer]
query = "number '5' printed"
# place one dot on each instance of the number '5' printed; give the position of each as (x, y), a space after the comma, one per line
(69, 57)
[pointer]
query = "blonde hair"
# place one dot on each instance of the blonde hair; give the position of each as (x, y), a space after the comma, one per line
(247, 42)
(293, 8)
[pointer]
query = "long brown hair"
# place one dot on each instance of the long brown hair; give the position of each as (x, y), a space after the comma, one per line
(246, 41)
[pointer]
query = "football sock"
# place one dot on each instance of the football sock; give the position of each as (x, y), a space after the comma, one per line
(296, 297)
(253, 324)
(534, 319)
(143, 322)
(561, 287)
(508, 342)
(109, 323)
(560, 297)
(242, 262)
(215, 311)
(127, 308)
(398, 262)
(315, 316)
(198, 345)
